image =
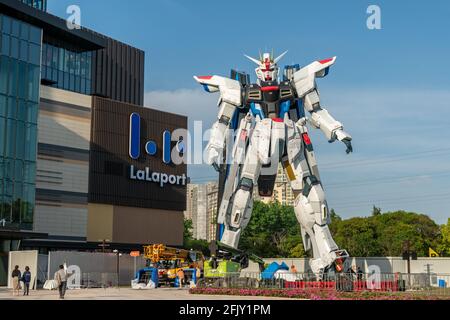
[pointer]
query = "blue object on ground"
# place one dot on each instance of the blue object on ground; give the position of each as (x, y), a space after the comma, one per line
(442, 283)
(153, 274)
(269, 272)
(191, 271)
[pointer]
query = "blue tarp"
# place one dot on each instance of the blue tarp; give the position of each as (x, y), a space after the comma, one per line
(152, 271)
(269, 272)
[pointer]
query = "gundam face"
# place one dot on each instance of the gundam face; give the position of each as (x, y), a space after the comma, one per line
(267, 69)
(271, 128)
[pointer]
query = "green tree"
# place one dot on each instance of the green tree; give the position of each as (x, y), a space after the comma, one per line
(394, 228)
(358, 236)
(187, 231)
(190, 243)
(384, 234)
(273, 231)
(444, 246)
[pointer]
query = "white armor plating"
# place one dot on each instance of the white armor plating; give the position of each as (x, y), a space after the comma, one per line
(273, 129)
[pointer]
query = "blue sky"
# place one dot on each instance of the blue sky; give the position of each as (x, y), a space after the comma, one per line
(390, 87)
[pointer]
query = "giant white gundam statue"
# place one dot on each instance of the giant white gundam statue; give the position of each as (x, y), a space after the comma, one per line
(269, 120)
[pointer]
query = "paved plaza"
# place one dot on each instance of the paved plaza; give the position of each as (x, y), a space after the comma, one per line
(120, 294)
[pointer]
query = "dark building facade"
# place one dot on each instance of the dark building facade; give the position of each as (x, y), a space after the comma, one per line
(118, 73)
(110, 162)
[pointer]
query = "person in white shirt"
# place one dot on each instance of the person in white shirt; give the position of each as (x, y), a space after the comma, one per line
(61, 278)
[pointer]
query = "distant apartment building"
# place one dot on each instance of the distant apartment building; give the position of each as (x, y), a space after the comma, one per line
(201, 208)
(282, 191)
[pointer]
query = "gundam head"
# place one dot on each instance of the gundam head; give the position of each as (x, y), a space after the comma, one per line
(267, 69)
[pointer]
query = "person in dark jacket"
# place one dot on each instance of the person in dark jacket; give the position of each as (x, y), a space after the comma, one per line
(26, 279)
(16, 275)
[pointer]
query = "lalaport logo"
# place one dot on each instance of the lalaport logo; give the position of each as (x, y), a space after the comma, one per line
(151, 148)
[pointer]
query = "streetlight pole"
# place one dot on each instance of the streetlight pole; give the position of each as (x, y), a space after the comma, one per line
(118, 268)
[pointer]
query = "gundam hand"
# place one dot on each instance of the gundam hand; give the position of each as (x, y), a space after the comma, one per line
(214, 155)
(343, 136)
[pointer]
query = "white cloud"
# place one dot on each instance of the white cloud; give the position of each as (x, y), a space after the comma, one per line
(197, 104)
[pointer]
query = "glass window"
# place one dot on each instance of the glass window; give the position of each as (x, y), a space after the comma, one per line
(18, 171)
(3, 108)
(31, 142)
(28, 203)
(33, 83)
(6, 44)
(14, 48)
(60, 79)
(6, 24)
(35, 54)
(46, 55)
(22, 83)
(89, 64)
(44, 72)
(4, 64)
(8, 186)
(11, 110)
(72, 82)
(66, 81)
(29, 171)
(24, 31)
(61, 59)
(2, 140)
(13, 74)
(35, 35)
(77, 84)
(32, 113)
(10, 137)
(54, 54)
(66, 60)
(23, 50)
(21, 114)
(17, 201)
(83, 85)
(88, 87)
(15, 30)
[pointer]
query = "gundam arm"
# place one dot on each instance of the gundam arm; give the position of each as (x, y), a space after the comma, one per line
(305, 84)
(230, 99)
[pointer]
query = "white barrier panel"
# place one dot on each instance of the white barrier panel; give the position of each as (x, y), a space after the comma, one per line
(23, 259)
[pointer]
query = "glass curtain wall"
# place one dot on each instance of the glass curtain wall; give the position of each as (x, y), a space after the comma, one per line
(66, 69)
(38, 4)
(20, 59)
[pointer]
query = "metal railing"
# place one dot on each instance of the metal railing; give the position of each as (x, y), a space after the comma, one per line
(438, 284)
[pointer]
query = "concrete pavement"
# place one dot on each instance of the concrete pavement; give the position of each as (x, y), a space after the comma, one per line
(121, 294)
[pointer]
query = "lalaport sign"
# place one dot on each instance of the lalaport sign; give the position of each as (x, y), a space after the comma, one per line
(151, 149)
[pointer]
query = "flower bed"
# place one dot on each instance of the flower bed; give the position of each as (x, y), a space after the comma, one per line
(318, 294)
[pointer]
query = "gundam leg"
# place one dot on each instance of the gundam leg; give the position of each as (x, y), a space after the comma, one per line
(238, 211)
(311, 207)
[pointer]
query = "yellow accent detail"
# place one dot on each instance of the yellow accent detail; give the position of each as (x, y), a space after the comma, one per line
(290, 172)
(432, 253)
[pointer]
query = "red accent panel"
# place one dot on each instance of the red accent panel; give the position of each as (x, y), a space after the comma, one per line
(277, 120)
(306, 139)
(270, 88)
(205, 77)
(326, 60)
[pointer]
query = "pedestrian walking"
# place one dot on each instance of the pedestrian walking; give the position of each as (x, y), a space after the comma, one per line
(16, 275)
(180, 274)
(61, 279)
(26, 279)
